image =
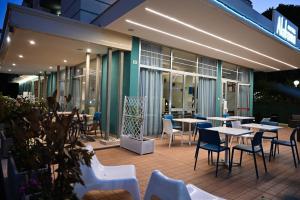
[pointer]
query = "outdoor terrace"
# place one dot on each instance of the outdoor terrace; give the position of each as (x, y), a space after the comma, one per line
(281, 182)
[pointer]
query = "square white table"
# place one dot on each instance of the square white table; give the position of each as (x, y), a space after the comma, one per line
(240, 117)
(261, 127)
(221, 119)
(190, 121)
(227, 131)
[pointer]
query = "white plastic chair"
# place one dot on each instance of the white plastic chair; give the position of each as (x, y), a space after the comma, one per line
(168, 129)
(99, 177)
(166, 188)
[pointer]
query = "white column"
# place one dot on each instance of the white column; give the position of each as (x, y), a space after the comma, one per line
(87, 82)
(98, 81)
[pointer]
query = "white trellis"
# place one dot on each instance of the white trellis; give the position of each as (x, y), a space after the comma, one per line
(133, 120)
(133, 123)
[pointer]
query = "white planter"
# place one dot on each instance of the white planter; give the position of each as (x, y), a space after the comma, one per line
(141, 147)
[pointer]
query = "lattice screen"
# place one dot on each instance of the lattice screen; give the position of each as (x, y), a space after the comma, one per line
(134, 117)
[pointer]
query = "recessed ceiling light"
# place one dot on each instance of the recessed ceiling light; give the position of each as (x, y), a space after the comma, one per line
(21, 56)
(198, 44)
(32, 42)
(50, 67)
(14, 64)
(8, 39)
(41, 72)
(88, 50)
(9, 70)
(65, 61)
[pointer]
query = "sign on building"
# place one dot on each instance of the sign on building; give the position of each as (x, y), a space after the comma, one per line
(284, 28)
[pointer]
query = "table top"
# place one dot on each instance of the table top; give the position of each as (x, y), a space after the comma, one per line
(240, 117)
(230, 131)
(223, 119)
(64, 113)
(261, 126)
(189, 120)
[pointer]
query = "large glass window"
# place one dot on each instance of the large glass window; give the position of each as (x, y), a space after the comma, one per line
(207, 66)
(184, 61)
(155, 55)
(229, 71)
(244, 75)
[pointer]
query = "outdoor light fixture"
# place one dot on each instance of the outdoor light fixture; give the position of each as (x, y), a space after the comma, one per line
(9, 70)
(14, 64)
(20, 56)
(296, 83)
(65, 61)
(41, 72)
(88, 50)
(32, 42)
(8, 39)
(50, 67)
(197, 43)
(215, 36)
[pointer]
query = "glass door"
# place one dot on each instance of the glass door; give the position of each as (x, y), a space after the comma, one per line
(229, 103)
(189, 96)
(177, 95)
(243, 106)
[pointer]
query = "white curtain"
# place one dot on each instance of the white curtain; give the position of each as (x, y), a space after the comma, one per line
(244, 92)
(151, 87)
(206, 95)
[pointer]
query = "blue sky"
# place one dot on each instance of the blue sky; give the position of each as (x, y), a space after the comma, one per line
(262, 5)
(3, 5)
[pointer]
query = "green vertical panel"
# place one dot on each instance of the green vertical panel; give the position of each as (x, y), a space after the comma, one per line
(134, 67)
(103, 92)
(219, 88)
(49, 84)
(126, 77)
(251, 92)
(114, 92)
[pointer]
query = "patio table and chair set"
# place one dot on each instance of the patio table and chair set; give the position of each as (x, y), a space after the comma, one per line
(217, 139)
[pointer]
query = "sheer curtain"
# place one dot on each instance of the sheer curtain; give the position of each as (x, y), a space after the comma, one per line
(244, 92)
(206, 92)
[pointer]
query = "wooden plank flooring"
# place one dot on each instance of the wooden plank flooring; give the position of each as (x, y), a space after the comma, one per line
(281, 182)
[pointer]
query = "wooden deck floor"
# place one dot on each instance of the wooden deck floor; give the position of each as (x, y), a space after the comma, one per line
(281, 182)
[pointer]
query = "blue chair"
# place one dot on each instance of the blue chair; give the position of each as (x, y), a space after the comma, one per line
(95, 123)
(170, 117)
(201, 125)
(255, 147)
(165, 188)
(274, 133)
(199, 116)
(290, 143)
(210, 140)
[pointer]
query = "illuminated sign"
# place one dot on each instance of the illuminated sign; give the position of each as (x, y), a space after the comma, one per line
(284, 28)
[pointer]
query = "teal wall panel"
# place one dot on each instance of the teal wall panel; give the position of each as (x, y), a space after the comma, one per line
(103, 92)
(134, 67)
(219, 89)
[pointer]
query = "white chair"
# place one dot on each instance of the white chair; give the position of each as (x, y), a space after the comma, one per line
(163, 187)
(168, 129)
(99, 177)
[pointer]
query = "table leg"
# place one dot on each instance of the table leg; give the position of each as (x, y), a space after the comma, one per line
(190, 133)
(226, 152)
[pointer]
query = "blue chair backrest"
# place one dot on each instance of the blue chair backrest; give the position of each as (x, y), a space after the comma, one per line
(199, 116)
(257, 139)
(168, 117)
(226, 115)
(164, 187)
(204, 125)
(293, 135)
(209, 137)
(269, 123)
(97, 116)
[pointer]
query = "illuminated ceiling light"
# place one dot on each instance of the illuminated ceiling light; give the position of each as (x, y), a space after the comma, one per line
(217, 37)
(65, 61)
(88, 50)
(20, 56)
(199, 44)
(25, 78)
(50, 67)
(14, 64)
(9, 70)
(41, 72)
(32, 42)
(8, 39)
